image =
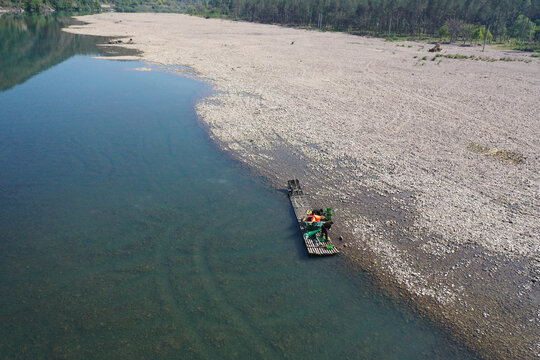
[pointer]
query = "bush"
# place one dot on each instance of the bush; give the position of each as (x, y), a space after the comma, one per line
(443, 32)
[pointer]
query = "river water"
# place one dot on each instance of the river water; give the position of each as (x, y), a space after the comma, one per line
(125, 233)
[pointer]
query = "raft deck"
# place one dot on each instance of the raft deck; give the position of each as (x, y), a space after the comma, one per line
(301, 205)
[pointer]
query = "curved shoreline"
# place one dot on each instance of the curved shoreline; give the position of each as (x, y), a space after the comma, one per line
(383, 137)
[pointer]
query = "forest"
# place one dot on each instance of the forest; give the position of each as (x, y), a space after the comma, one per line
(498, 20)
(44, 6)
(466, 20)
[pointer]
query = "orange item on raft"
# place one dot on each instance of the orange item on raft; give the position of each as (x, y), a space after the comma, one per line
(311, 218)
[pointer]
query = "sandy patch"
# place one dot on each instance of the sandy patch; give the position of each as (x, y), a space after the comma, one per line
(387, 137)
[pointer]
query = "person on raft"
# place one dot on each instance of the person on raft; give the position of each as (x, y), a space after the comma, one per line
(326, 228)
(312, 218)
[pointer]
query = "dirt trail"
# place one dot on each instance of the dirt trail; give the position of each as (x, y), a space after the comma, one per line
(387, 138)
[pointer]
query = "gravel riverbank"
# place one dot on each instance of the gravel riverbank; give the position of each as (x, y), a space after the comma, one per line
(431, 163)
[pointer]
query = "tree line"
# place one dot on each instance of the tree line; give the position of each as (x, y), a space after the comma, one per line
(93, 6)
(40, 6)
(500, 19)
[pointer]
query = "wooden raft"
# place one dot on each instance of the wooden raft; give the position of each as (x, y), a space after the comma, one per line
(301, 205)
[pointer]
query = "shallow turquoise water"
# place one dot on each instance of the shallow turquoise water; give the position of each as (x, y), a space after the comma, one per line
(125, 233)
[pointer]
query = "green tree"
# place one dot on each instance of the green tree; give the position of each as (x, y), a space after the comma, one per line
(455, 28)
(443, 32)
(467, 32)
(523, 28)
(33, 5)
(478, 33)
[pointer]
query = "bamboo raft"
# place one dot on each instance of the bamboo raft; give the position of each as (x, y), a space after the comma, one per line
(301, 207)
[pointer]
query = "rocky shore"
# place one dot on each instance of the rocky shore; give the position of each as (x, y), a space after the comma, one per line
(431, 162)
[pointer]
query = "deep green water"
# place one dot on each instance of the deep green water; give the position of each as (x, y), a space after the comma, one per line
(31, 44)
(126, 234)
